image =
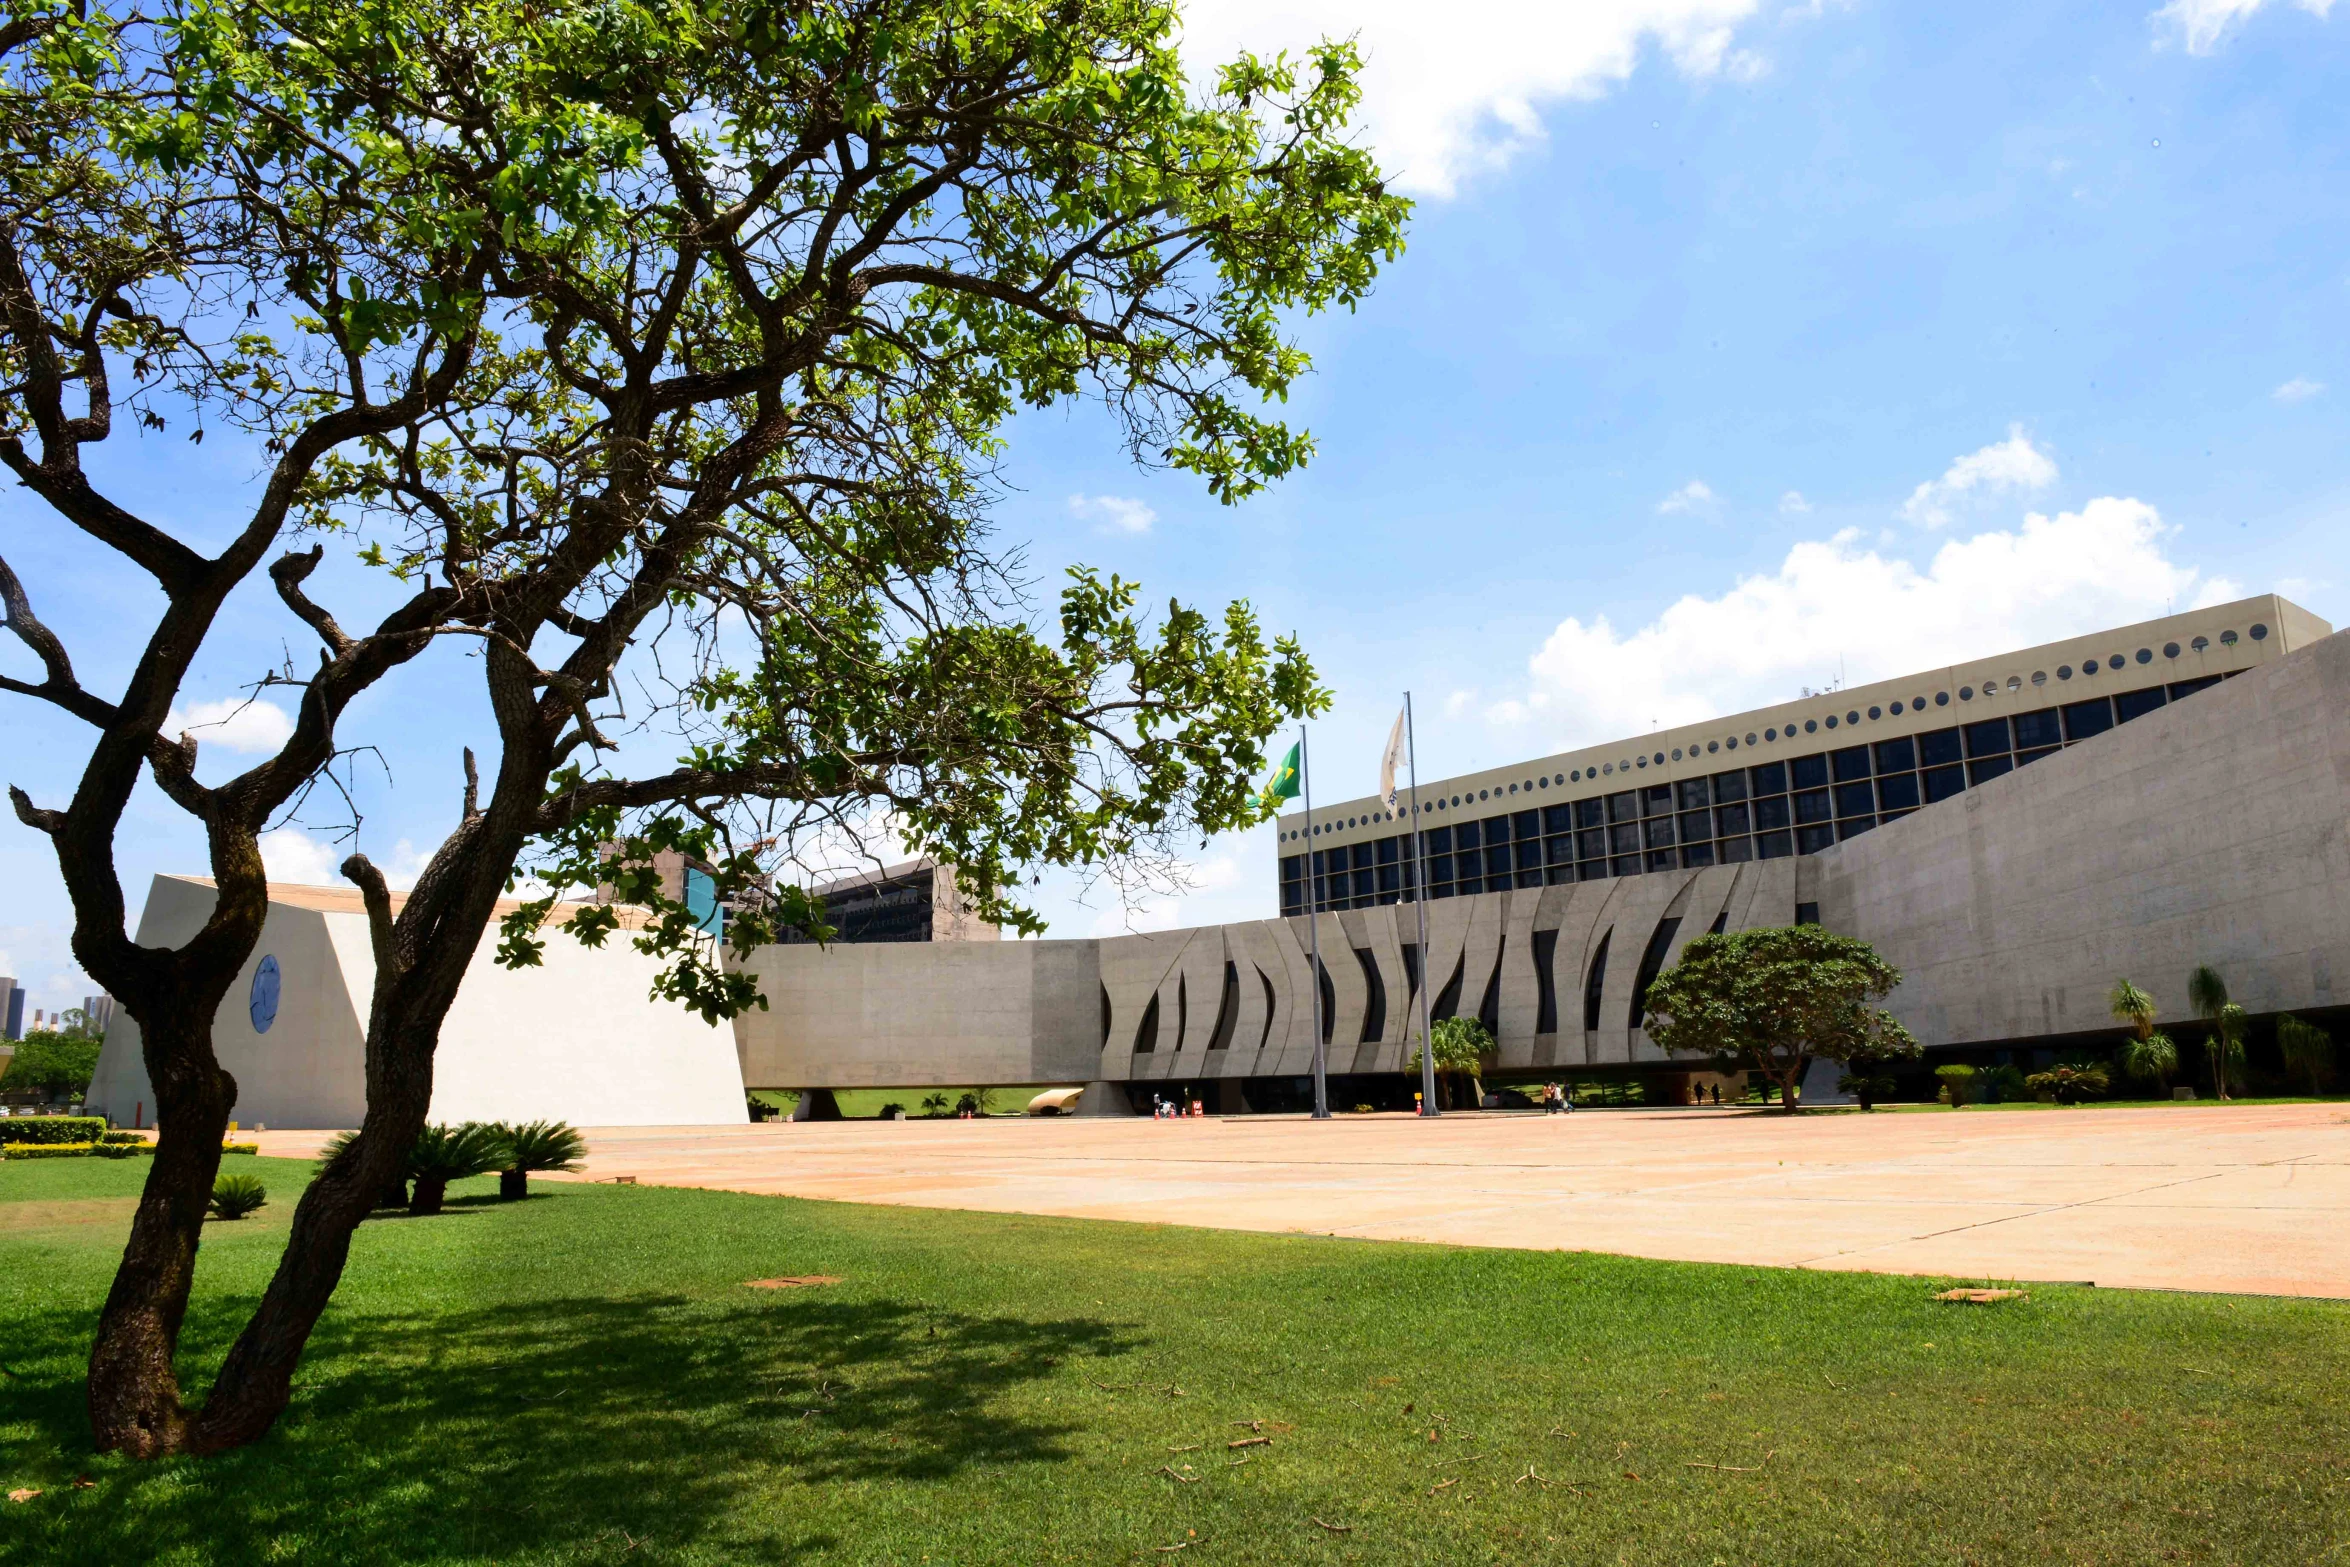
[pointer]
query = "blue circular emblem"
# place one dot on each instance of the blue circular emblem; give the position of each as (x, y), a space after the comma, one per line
(264, 1000)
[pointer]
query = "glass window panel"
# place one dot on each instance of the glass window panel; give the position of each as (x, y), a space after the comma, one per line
(1943, 782)
(1623, 807)
(1467, 836)
(1659, 831)
(1730, 820)
(1771, 813)
(2137, 704)
(1854, 826)
(1897, 756)
(1362, 853)
(1438, 840)
(1661, 860)
(1696, 825)
(2180, 688)
(1656, 800)
(1893, 816)
(1729, 786)
(1737, 851)
(1560, 850)
(1624, 838)
(1988, 738)
(1811, 772)
(1898, 792)
(1770, 778)
(1850, 763)
(1558, 818)
(1626, 865)
(1988, 768)
(1811, 840)
(2040, 728)
(2022, 757)
(1939, 746)
(1773, 845)
(1591, 845)
(1497, 830)
(1812, 806)
(1856, 799)
(1496, 882)
(2083, 719)
(1591, 812)
(1363, 883)
(1390, 850)
(1591, 870)
(1526, 824)
(1391, 878)
(1559, 874)
(1696, 854)
(1695, 793)
(1293, 867)
(1468, 865)
(1530, 854)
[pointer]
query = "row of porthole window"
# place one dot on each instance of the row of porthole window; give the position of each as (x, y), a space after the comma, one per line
(1990, 689)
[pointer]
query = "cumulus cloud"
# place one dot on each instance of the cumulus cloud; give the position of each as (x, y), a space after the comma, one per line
(248, 727)
(2006, 467)
(1114, 513)
(1837, 605)
(1696, 495)
(289, 854)
(2202, 25)
(1792, 504)
(2298, 390)
(1451, 91)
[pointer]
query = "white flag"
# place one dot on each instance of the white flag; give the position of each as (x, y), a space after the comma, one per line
(1390, 762)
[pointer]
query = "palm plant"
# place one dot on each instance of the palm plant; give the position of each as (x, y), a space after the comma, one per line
(234, 1196)
(2228, 1030)
(538, 1145)
(2207, 993)
(395, 1192)
(1461, 1044)
(450, 1153)
(2308, 1051)
(2145, 1055)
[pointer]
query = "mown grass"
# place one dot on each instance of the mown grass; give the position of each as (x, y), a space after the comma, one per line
(585, 1378)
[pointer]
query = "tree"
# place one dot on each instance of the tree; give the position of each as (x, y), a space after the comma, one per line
(1461, 1047)
(52, 1062)
(442, 1154)
(1774, 997)
(2146, 1055)
(2308, 1051)
(535, 1145)
(664, 350)
(2207, 993)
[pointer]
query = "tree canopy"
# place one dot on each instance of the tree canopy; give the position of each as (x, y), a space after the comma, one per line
(1772, 997)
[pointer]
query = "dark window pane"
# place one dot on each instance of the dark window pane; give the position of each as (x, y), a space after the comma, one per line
(1626, 865)
(1526, 824)
(1988, 738)
(1854, 826)
(1938, 747)
(2136, 704)
(1293, 867)
(2180, 688)
(1623, 807)
(1943, 782)
(1560, 850)
(1893, 816)
(2041, 728)
(1497, 882)
(1656, 800)
(1623, 837)
(1591, 812)
(1660, 832)
(1390, 850)
(2083, 719)
(1811, 772)
(1812, 806)
(1771, 813)
(1696, 825)
(1730, 819)
(1737, 851)
(1466, 836)
(1497, 830)
(1988, 768)
(1811, 840)
(1850, 763)
(1697, 854)
(1558, 874)
(1896, 756)
(1591, 870)
(1468, 865)
(1591, 845)
(1391, 878)
(1770, 778)
(1558, 818)
(1898, 792)
(1438, 840)
(1363, 887)
(1729, 786)
(2022, 757)
(1442, 889)
(1532, 878)
(1530, 855)
(1661, 860)
(1773, 845)
(1856, 799)
(1694, 794)
(1363, 859)
(1323, 858)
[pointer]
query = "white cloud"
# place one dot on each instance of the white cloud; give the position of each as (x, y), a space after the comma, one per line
(289, 854)
(1696, 495)
(1454, 90)
(2014, 464)
(2298, 390)
(1792, 504)
(2201, 25)
(233, 723)
(1115, 513)
(1835, 606)
(1458, 702)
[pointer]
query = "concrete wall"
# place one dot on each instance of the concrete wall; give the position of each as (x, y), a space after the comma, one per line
(578, 1039)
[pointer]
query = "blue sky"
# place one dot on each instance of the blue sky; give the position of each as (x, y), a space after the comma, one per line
(1737, 345)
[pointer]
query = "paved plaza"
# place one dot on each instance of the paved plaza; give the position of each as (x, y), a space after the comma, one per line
(2253, 1199)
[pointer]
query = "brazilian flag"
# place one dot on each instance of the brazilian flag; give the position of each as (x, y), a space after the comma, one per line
(1283, 784)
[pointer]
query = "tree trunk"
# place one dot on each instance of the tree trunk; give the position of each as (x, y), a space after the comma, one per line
(1787, 1085)
(431, 1192)
(134, 1393)
(513, 1185)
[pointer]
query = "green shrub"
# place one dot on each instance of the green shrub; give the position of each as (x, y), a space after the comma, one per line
(234, 1196)
(2069, 1085)
(46, 1150)
(2002, 1085)
(124, 1137)
(1867, 1087)
(537, 1145)
(240, 1147)
(450, 1153)
(52, 1128)
(1958, 1084)
(117, 1150)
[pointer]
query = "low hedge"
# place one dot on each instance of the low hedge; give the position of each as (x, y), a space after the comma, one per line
(46, 1150)
(240, 1147)
(21, 1129)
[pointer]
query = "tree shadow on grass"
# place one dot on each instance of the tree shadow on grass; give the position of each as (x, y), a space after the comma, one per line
(565, 1428)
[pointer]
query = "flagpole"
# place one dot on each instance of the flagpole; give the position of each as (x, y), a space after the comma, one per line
(1420, 907)
(1305, 780)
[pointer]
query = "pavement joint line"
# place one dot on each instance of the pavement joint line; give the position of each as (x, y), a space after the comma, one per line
(1984, 1224)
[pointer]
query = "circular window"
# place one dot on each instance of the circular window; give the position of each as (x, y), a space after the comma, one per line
(2015, 682)
(1641, 762)
(2200, 643)
(1770, 734)
(2064, 671)
(1711, 746)
(1852, 717)
(1966, 693)
(1897, 710)
(1608, 768)
(1676, 756)
(1482, 793)
(1876, 713)
(2170, 650)
(2116, 661)
(1811, 726)
(2227, 639)
(1513, 788)
(2039, 677)
(1750, 737)
(1941, 699)
(2145, 655)
(1660, 758)
(2259, 632)
(1732, 742)
(1831, 720)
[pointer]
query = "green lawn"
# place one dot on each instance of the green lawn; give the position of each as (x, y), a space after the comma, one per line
(584, 1378)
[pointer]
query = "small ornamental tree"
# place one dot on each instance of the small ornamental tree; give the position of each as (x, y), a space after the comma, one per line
(2308, 1051)
(2147, 1054)
(1771, 998)
(1461, 1047)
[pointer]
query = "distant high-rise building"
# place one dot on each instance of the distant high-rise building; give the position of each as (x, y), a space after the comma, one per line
(12, 1002)
(98, 1012)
